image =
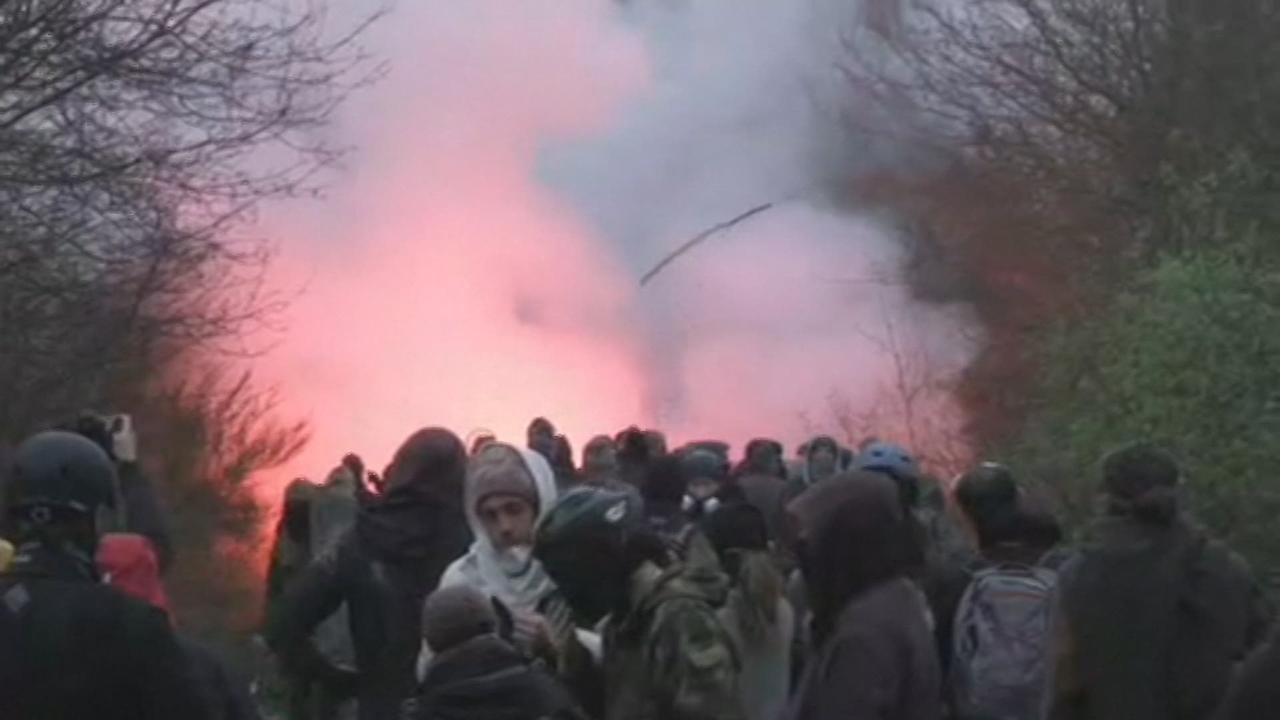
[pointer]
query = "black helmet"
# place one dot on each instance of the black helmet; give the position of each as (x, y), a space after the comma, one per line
(587, 513)
(583, 543)
(63, 471)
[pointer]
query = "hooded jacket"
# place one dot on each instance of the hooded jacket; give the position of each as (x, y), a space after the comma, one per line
(875, 657)
(805, 478)
(131, 565)
(485, 678)
(520, 586)
(382, 570)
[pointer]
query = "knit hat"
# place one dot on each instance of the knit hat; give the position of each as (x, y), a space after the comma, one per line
(454, 615)
(499, 470)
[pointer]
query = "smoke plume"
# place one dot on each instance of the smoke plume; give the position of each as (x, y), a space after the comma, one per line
(525, 163)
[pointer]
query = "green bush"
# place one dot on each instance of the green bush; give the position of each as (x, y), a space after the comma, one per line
(1190, 358)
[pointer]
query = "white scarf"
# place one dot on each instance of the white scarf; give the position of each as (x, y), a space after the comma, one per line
(513, 576)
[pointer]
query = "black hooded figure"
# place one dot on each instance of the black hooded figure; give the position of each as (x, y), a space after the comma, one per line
(873, 650)
(383, 569)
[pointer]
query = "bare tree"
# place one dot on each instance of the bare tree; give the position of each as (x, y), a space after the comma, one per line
(1097, 99)
(211, 435)
(1068, 141)
(914, 406)
(137, 139)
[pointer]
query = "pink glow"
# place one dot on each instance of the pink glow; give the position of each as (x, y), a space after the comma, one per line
(476, 263)
(442, 285)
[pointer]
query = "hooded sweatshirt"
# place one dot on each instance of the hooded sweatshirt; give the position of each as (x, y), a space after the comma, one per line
(805, 477)
(875, 656)
(515, 578)
(484, 678)
(130, 564)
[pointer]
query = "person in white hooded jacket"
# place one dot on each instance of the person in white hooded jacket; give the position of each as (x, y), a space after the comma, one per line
(508, 490)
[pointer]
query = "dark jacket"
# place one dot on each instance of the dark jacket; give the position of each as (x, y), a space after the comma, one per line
(879, 663)
(486, 678)
(875, 656)
(71, 648)
(1255, 692)
(1155, 619)
(383, 570)
(227, 697)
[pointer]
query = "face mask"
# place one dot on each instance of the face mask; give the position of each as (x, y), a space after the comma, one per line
(590, 579)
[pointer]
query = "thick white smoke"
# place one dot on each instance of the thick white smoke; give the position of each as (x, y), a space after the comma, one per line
(526, 161)
(768, 321)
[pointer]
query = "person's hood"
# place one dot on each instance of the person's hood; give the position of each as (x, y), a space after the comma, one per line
(470, 660)
(809, 447)
(129, 563)
(521, 586)
(854, 533)
(423, 497)
(484, 677)
(853, 500)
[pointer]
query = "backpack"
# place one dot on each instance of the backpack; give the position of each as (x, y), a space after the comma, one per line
(1003, 656)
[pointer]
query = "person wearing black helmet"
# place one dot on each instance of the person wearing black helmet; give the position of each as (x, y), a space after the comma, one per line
(71, 647)
(666, 655)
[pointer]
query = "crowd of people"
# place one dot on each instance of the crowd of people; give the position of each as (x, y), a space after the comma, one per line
(507, 582)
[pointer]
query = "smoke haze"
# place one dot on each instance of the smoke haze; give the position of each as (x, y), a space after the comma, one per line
(525, 163)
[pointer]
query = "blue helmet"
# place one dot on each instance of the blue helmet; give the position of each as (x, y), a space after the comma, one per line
(890, 459)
